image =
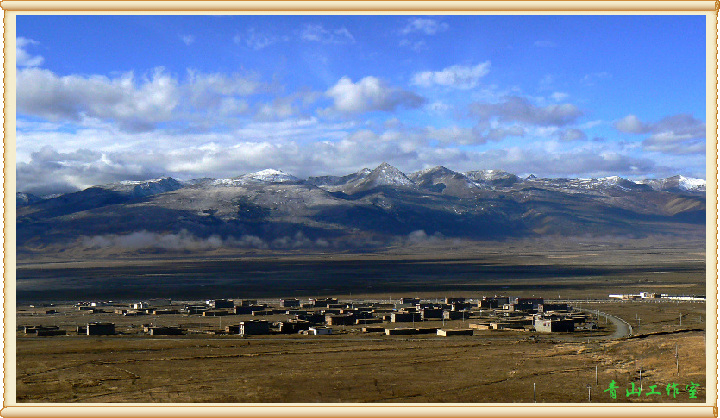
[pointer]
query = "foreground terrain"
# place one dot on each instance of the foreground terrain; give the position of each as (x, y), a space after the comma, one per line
(487, 367)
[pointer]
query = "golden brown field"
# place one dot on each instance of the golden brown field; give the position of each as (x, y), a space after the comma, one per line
(490, 366)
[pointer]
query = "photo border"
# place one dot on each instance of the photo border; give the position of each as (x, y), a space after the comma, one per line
(13, 8)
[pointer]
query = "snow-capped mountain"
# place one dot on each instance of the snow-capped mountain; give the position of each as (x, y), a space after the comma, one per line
(268, 175)
(677, 183)
(384, 175)
(271, 176)
(493, 177)
(376, 206)
(443, 180)
(23, 199)
(339, 180)
(146, 187)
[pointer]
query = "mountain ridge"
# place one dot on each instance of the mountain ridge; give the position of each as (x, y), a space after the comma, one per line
(395, 177)
(370, 208)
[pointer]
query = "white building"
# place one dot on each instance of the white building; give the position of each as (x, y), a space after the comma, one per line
(319, 331)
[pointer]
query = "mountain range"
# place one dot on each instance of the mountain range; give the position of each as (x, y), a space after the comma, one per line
(374, 208)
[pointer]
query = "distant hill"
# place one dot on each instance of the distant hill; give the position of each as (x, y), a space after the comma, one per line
(368, 209)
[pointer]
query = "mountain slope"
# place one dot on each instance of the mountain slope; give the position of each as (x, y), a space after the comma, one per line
(368, 209)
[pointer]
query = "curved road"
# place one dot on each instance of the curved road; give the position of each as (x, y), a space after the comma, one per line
(622, 328)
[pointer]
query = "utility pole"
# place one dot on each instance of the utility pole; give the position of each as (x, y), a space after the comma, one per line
(588, 388)
(534, 393)
(680, 319)
(596, 376)
(640, 378)
(677, 360)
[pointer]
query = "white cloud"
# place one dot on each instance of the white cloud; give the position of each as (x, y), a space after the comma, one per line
(458, 76)
(256, 40)
(280, 108)
(591, 124)
(184, 240)
(559, 96)
(545, 44)
(572, 135)
(677, 134)
(206, 89)
(453, 135)
(22, 57)
(231, 106)
(424, 25)
(134, 103)
(318, 33)
(135, 106)
(438, 107)
(630, 124)
(369, 94)
(416, 46)
(519, 109)
(187, 39)
(572, 163)
(302, 147)
(498, 134)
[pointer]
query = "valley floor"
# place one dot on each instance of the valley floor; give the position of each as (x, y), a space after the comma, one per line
(488, 367)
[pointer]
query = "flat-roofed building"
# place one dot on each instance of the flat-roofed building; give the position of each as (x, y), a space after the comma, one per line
(290, 303)
(248, 309)
(221, 303)
(319, 331)
(430, 313)
(165, 331)
(405, 317)
(100, 328)
(451, 332)
(340, 319)
(554, 325)
(254, 327)
(453, 315)
(546, 307)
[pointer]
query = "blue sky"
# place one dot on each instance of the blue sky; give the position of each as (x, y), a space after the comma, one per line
(108, 98)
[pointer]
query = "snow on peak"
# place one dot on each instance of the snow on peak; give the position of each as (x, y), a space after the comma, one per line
(677, 182)
(144, 182)
(387, 175)
(689, 183)
(439, 169)
(143, 188)
(488, 175)
(271, 175)
(616, 181)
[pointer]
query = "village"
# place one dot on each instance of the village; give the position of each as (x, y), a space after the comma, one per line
(377, 348)
(315, 316)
